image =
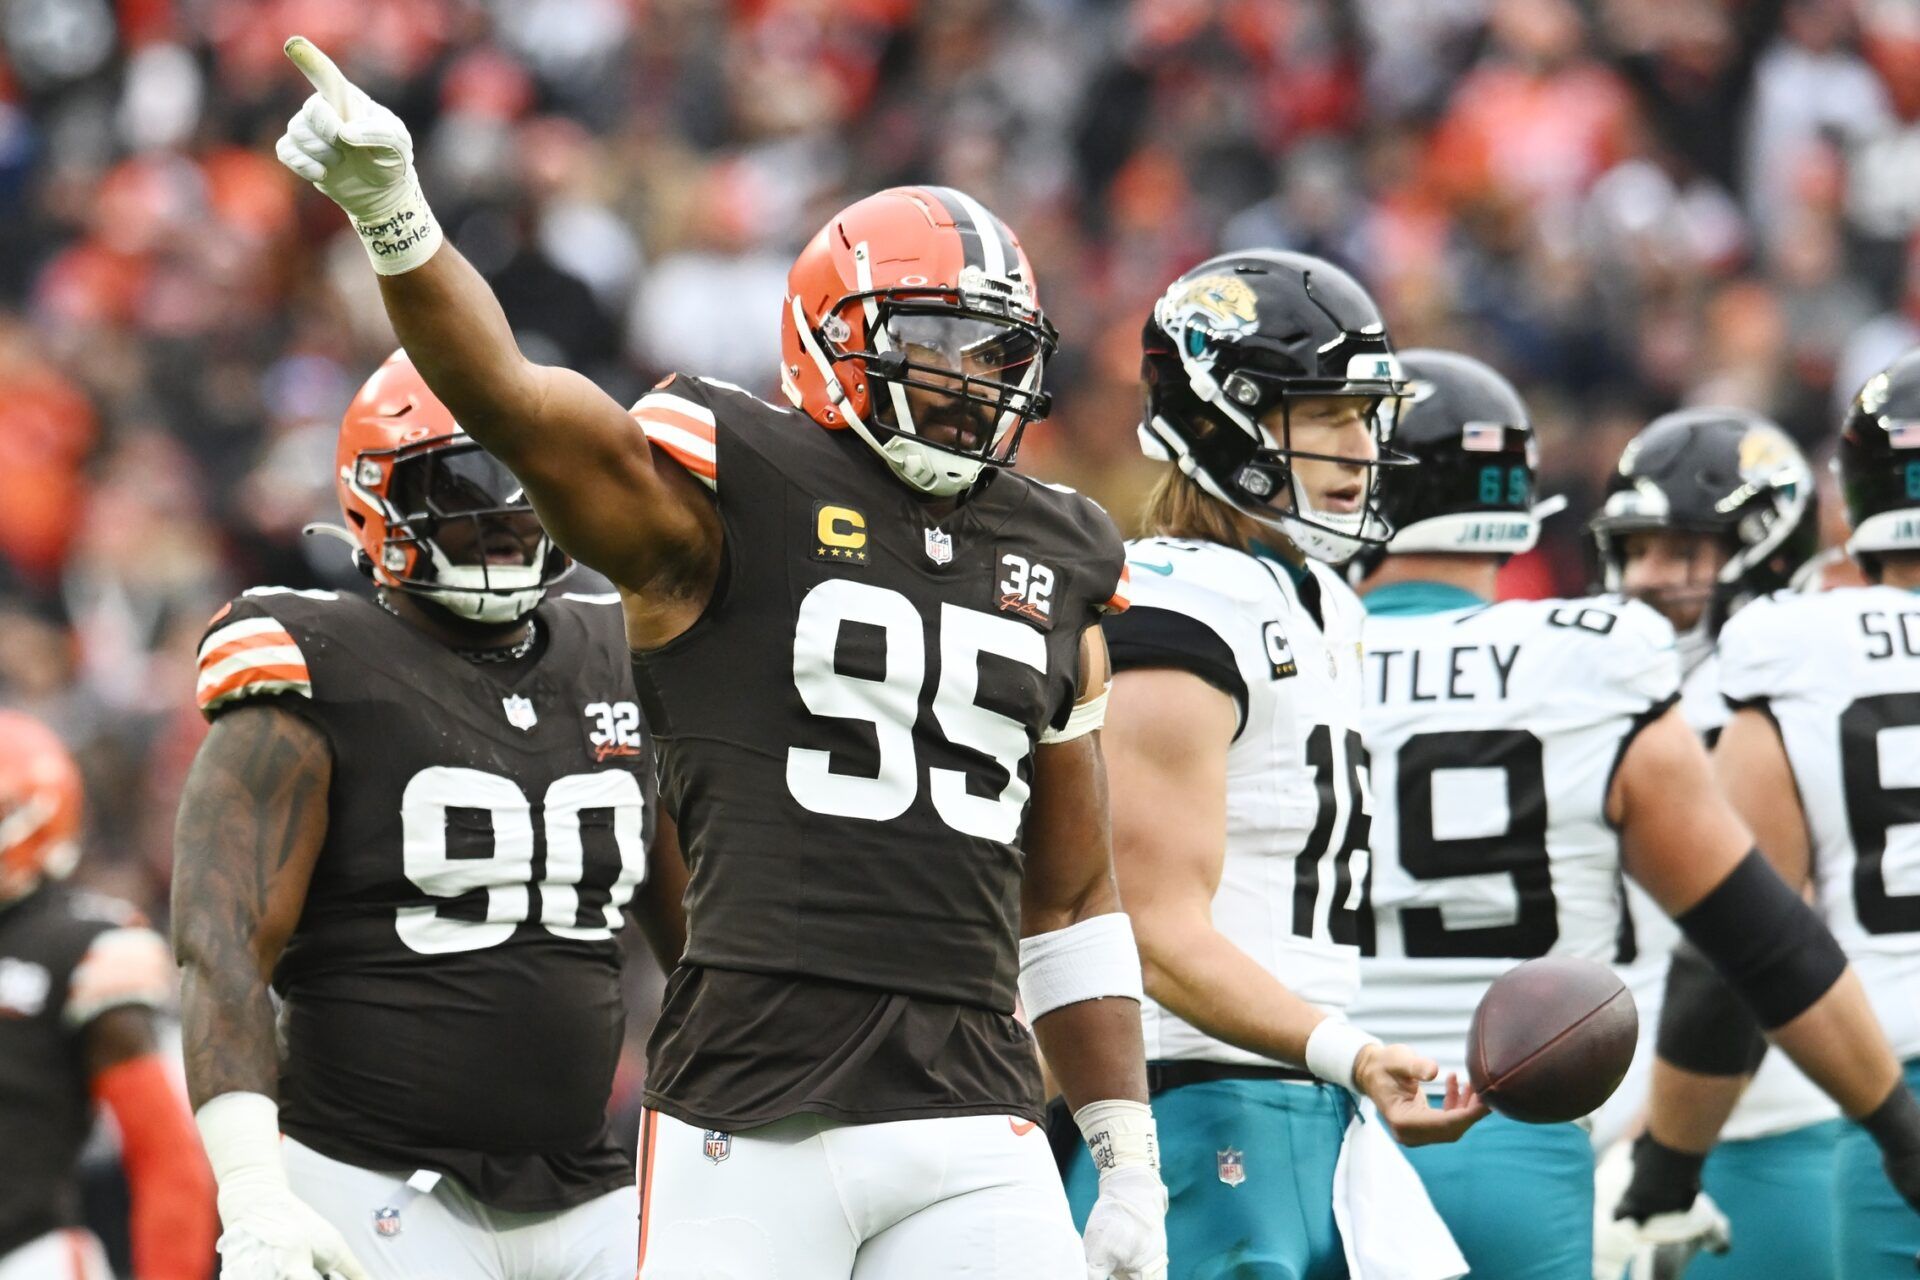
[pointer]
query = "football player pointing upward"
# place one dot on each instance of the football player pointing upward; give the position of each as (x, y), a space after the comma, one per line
(420, 818)
(1240, 807)
(871, 656)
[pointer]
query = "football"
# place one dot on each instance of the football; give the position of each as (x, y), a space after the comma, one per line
(1552, 1039)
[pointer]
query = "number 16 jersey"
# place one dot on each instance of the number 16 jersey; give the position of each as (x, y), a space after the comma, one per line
(847, 739)
(1284, 643)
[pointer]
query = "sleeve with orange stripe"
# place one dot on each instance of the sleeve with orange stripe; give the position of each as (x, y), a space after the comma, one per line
(248, 653)
(680, 425)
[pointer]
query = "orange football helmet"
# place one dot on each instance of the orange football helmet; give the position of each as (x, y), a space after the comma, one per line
(918, 290)
(40, 801)
(407, 475)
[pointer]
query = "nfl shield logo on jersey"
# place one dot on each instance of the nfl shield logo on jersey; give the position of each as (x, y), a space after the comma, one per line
(939, 546)
(1233, 1167)
(717, 1145)
(386, 1223)
(520, 713)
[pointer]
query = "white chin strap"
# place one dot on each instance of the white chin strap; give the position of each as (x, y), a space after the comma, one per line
(1329, 537)
(495, 593)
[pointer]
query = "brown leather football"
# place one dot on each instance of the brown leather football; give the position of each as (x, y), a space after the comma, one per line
(1552, 1039)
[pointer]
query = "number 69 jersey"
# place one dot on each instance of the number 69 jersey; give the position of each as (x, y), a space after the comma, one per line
(1839, 674)
(451, 996)
(1293, 881)
(1495, 732)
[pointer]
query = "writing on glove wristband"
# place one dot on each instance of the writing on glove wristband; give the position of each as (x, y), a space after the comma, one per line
(404, 238)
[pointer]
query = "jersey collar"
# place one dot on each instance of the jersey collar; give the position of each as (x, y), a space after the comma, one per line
(1402, 598)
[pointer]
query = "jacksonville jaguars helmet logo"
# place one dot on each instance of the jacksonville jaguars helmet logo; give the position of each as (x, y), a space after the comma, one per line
(1201, 312)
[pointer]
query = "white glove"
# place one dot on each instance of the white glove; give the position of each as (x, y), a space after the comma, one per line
(1659, 1248)
(360, 156)
(268, 1233)
(1126, 1235)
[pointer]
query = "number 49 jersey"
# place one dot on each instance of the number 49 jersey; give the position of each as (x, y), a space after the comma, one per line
(1286, 648)
(1494, 733)
(451, 995)
(1839, 673)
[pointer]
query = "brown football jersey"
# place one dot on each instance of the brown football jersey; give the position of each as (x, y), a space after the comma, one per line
(451, 996)
(847, 738)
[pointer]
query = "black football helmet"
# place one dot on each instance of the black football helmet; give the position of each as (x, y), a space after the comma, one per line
(1472, 488)
(1878, 463)
(1238, 338)
(1727, 472)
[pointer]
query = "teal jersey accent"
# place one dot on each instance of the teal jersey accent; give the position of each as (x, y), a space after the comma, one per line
(1405, 599)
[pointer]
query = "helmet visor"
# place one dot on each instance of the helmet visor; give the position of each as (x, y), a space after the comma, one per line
(470, 505)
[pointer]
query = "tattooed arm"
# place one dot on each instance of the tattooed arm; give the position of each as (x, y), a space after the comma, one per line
(252, 820)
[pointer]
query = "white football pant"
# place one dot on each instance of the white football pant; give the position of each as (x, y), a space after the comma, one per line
(400, 1233)
(807, 1198)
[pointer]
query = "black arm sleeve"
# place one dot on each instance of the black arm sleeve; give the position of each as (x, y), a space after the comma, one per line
(1765, 941)
(1704, 1028)
(1148, 637)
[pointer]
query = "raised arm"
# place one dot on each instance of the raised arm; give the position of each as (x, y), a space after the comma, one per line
(601, 491)
(253, 818)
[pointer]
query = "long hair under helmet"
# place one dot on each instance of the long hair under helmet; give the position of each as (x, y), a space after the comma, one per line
(918, 288)
(1229, 346)
(404, 470)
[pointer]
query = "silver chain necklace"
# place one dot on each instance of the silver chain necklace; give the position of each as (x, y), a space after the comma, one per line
(511, 654)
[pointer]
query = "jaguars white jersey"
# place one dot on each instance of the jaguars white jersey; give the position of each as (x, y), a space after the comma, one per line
(1780, 1098)
(1494, 733)
(1293, 884)
(1839, 672)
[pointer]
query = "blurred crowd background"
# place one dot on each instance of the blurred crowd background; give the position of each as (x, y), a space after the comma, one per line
(1624, 204)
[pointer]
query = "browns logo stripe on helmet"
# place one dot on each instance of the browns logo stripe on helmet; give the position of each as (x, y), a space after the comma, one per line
(985, 243)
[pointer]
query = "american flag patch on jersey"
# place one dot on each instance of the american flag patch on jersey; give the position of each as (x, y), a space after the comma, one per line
(250, 657)
(1483, 437)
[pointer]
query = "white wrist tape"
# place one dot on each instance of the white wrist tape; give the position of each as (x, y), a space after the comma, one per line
(406, 237)
(241, 1132)
(1119, 1133)
(1333, 1048)
(1085, 961)
(1082, 720)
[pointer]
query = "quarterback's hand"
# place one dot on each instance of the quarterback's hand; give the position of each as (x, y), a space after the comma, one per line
(1395, 1078)
(1126, 1235)
(271, 1234)
(360, 156)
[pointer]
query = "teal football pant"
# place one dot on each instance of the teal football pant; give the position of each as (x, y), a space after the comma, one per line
(1517, 1197)
(1875, 1234)
(1249, 1171)
(1777, 1193)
